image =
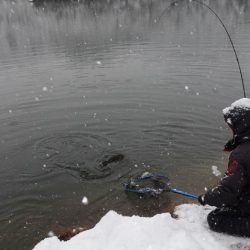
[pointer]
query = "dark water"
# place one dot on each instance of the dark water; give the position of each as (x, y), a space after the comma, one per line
(80, 83)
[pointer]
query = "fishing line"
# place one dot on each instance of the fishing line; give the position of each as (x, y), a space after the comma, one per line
(223, 25)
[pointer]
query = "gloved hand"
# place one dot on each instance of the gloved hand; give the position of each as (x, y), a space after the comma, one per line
(201, 199)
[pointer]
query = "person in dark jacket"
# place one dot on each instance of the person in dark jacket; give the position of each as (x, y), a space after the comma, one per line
(232, 195)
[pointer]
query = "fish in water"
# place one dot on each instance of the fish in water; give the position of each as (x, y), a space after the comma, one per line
(114, 158)
(101, 170)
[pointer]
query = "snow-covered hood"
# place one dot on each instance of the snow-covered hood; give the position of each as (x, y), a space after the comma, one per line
(237, 116)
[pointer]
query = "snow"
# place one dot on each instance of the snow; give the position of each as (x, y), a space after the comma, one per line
(51, 234)
(215, 171)
(229, 121)
(243, 103)
(160, 232)
(85, 200)
(145, 174)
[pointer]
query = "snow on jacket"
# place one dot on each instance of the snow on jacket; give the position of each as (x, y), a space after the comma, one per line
(234, 189)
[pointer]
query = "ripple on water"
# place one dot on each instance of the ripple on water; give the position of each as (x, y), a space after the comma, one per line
(84, 156)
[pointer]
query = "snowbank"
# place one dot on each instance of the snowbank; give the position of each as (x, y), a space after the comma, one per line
(161, 232)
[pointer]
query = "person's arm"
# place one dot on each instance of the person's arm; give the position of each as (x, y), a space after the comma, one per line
(229, 188)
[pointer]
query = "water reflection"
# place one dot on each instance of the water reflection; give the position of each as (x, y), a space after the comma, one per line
(97, 23)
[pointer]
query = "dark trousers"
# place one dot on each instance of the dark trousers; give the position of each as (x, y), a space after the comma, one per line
(229, 221)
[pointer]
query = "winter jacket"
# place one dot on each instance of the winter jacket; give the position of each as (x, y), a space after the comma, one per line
(234, 189)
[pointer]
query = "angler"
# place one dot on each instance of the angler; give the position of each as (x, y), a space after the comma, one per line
(232, 195)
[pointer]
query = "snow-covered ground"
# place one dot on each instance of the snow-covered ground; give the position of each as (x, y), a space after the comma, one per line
(161, 232)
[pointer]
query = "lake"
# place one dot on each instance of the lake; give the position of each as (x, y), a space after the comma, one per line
(81, 82)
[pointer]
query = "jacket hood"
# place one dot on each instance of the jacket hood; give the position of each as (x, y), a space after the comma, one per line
(237, 116)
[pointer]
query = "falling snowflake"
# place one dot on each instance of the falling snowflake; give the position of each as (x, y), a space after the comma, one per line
(85, 200)
(215, 171)
(51, 234)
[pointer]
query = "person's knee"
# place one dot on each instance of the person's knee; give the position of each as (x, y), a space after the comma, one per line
(229, 221)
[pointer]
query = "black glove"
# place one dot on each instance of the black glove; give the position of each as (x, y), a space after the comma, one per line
(201, 199)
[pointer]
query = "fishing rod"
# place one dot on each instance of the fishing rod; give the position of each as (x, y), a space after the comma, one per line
(223, 25)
